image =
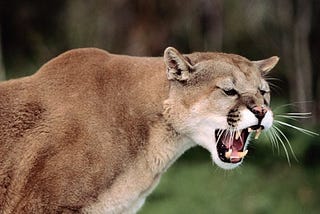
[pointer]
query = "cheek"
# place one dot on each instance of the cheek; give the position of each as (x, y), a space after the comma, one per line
(247, 119)
(221, 104)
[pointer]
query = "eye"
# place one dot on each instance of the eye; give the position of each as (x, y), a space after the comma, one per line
(230, 92)
(262, 92)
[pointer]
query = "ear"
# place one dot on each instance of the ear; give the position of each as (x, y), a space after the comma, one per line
(267, 64)
(178, 68)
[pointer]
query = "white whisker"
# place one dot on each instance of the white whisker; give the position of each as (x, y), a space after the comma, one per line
(274, 87)
(290, 104)
(283, 146)
(299, 113)
(268, 135)
(273, 138)
(292, 117)
(240, 136)
(305, 131)
(220, 132)
(286, 139)
(231, 136)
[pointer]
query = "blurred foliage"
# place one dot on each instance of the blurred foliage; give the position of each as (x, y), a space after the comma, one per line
(34, 31)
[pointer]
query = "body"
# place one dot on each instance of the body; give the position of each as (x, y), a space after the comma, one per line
(92, 132)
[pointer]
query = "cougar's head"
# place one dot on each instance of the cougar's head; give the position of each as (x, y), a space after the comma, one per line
(218, 100)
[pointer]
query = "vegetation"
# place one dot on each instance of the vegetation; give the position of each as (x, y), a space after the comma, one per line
(199, 187)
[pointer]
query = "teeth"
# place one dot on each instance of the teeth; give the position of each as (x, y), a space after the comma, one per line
(243, 154)
(240, 154)
(250, 130)
(228, 154)
(238, 134)
(258, 132)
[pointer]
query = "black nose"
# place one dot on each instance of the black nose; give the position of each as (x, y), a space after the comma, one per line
(259, 111)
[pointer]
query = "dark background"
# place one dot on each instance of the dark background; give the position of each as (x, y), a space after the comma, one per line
(32, 32)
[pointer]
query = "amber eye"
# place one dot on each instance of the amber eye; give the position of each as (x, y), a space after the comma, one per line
(230, 92)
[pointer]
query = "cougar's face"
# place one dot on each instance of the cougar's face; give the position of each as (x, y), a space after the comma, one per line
(222, 103)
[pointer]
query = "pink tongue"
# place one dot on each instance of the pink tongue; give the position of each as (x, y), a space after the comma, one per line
(234, 153)
(236, 146)
(231, 142)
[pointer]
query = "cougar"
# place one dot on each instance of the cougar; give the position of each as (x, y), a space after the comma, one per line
(92, 132)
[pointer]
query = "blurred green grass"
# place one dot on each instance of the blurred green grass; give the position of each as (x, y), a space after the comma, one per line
(265, 183)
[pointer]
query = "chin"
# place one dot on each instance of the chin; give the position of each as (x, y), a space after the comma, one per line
(224, 165)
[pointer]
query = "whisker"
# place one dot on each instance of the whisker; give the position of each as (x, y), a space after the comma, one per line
(283, 146)
(231, 136)
(268, 135)
(305, 131)
(273, 79)
(290, 104)
(220, 132)
(274, 86)
(240, 136)
(286, 139)
(292, 117)
(299, 113)
(272, 135)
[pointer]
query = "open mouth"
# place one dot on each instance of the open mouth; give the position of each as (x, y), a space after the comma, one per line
(231, 144)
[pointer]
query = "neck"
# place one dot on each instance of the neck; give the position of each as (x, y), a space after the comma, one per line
(165, 146)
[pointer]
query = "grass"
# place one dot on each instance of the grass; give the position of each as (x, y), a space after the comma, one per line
(261, 185)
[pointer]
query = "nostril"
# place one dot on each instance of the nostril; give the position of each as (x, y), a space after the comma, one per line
(259, 111)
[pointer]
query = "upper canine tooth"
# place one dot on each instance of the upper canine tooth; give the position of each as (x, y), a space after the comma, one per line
(238, 134)
(242, 154)
(228, 153)
(257, 133)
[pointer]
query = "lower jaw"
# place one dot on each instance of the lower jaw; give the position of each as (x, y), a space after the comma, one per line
(236, 156)
(227, 165)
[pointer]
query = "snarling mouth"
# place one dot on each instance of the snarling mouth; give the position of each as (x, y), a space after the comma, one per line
(231, 144)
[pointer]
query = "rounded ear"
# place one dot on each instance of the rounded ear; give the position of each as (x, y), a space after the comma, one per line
(178, 68)
(267, 64)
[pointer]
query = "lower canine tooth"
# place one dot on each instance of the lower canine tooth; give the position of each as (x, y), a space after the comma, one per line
(228, 154)
(243, 154)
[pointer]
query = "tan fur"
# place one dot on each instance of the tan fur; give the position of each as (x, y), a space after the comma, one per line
(92, 132)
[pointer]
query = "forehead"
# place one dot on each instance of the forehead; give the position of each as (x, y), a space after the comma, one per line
(242, 76)
(229, 71)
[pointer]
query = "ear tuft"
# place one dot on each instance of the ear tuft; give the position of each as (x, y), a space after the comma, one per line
(267, 64)
(178, 68)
